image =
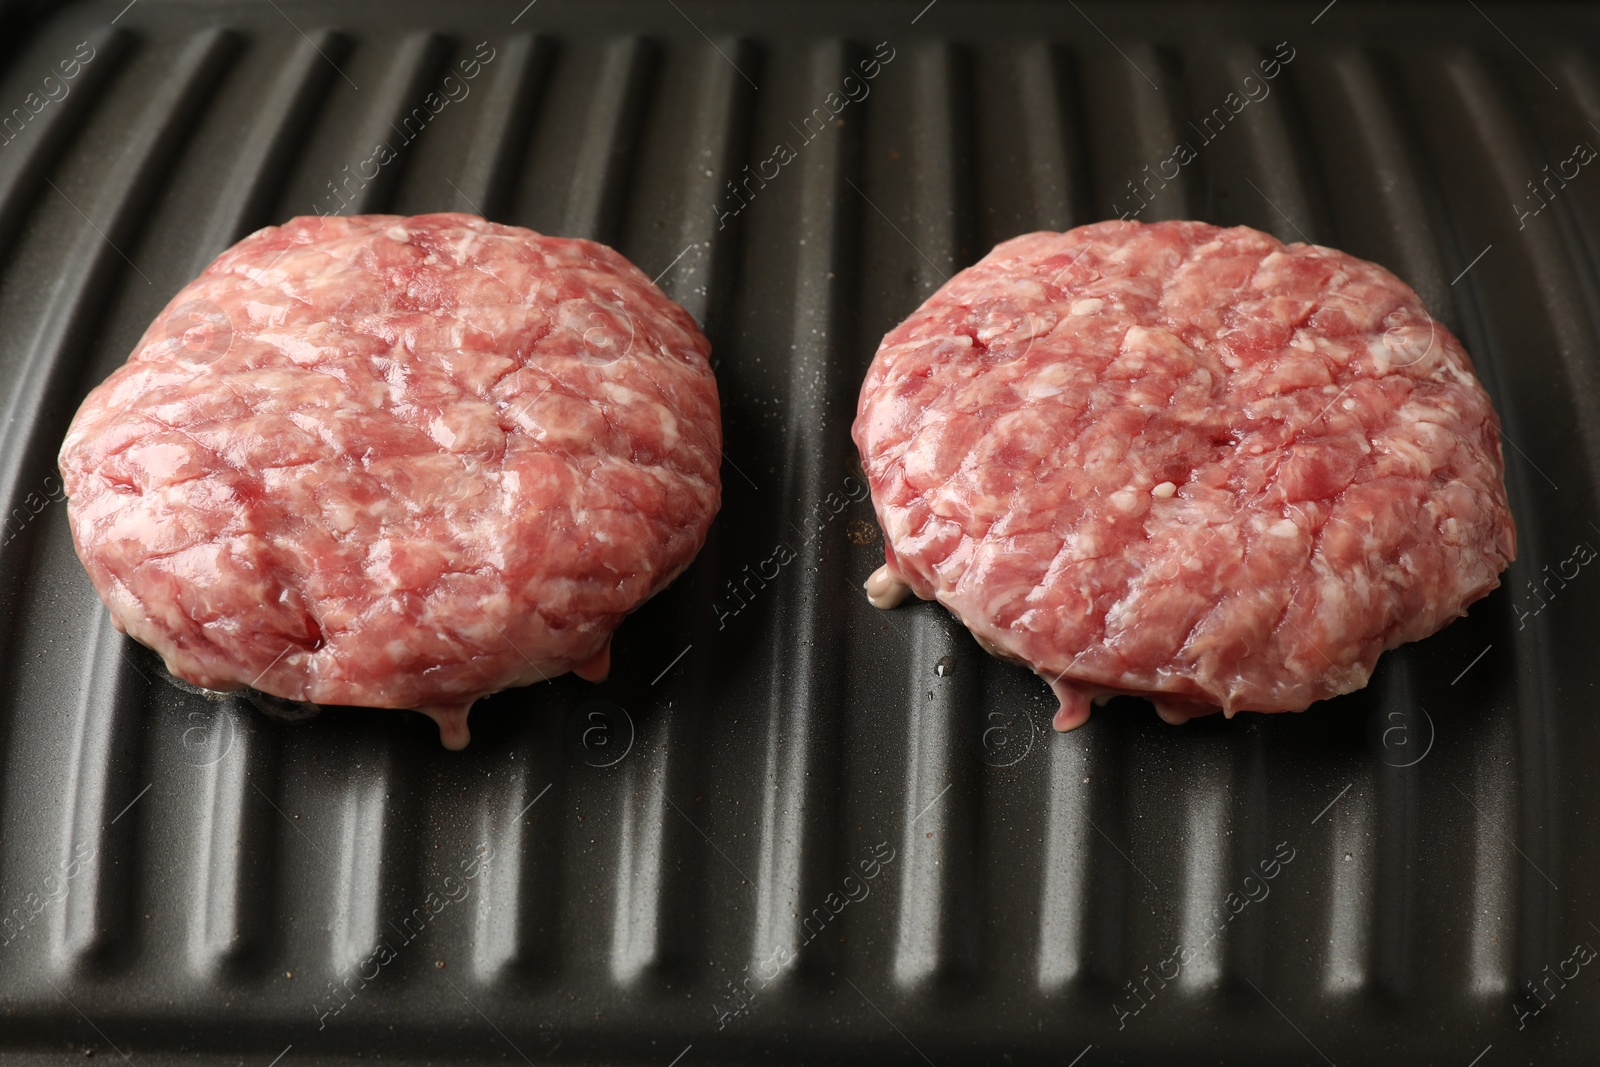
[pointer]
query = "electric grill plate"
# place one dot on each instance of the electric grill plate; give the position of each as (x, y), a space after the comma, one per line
(788, 827)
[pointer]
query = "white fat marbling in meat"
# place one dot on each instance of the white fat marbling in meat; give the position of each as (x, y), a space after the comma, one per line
(397, 462)
(1183, 462)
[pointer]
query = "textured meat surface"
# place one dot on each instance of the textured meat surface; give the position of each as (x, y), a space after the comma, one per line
(1184, 462)
(397, 462)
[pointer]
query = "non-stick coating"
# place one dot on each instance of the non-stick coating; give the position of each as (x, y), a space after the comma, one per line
(790, 828)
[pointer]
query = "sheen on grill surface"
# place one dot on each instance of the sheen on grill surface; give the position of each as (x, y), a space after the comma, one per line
(790, 827)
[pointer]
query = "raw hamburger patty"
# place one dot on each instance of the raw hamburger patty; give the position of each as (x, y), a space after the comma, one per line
(397, 462)
(1183, 462)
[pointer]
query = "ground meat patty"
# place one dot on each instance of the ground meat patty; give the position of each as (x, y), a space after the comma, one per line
(1183, 462)
(397, 462)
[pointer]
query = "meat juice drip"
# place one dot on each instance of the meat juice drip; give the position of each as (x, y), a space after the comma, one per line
(1072, 475)
(452, 721)
(1076, 704)
(443, 385)
(596, 667)
(885, 589)
(1177, 711)
(1169, 713)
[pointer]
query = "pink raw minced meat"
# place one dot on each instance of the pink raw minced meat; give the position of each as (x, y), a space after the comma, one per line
(397, 462)
(1186, 463)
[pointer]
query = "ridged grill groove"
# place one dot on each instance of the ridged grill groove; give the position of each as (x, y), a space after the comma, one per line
(1024, 896)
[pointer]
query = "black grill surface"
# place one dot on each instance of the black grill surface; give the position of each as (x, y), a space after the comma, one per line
(790, 828)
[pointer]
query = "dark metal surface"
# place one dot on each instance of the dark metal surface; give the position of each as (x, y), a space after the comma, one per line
(1403, 875)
